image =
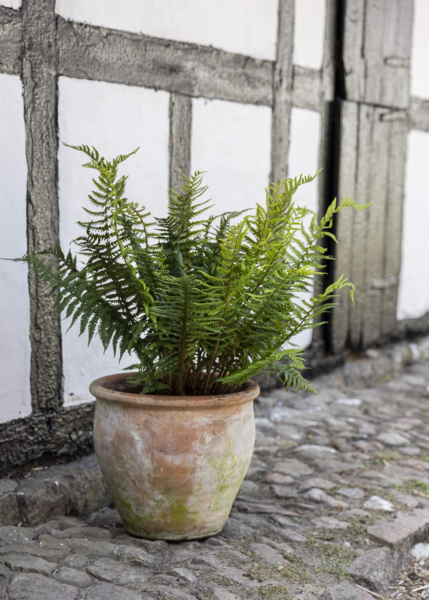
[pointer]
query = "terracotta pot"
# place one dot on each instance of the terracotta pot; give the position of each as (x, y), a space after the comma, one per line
(174, 464)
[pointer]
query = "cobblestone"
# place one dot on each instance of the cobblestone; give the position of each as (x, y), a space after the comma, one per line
(9, 513)
(305, 525)
(405, 529)
(29, 564)
(73, 577)
(374, 569)
(36, 587)
(61, 490)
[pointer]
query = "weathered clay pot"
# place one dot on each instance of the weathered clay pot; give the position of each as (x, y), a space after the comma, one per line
(173, 464)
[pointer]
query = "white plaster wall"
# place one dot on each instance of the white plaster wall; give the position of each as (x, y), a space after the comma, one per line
(232, 143)
(11, 3)
(115, 119)
(304, 160)
(241, 26)
(420, 50)
(413, 298)
(309, 33)
(15, 351)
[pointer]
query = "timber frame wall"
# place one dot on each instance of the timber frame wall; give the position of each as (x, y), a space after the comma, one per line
(362, 94)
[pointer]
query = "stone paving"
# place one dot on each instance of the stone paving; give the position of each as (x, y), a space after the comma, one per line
(335, 500)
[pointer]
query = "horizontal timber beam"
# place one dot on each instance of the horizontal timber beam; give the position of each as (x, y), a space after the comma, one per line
(87, 52)
(307, 88)
(100, 54)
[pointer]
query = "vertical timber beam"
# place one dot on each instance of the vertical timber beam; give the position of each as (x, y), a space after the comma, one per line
(358, 240)
(326, 107)
(398, 143)
(180, 139)
(40, 108)
(373, 228)
(282, 91)
(347, 176)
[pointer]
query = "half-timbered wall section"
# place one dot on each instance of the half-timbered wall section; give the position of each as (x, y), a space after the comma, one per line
(382, 150)
(247, 90)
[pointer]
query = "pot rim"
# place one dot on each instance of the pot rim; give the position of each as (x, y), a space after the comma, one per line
(99, 389)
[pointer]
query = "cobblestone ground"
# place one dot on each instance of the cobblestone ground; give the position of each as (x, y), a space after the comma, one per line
(336, 497)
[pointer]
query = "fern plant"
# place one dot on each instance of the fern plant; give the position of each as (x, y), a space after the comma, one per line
(201, 303)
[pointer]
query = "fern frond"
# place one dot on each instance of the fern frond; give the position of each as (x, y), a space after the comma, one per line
(203, 303)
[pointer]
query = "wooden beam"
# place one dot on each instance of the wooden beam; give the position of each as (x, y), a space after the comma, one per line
(41, 123)
(372, 169)
(347, 183)
(329, 49)
(282, 91)
(377, 50)
(87, 52)
(307, 88)
(372, 227)
(180, 139)
(353, 40)
(10, 41)
(398, 132)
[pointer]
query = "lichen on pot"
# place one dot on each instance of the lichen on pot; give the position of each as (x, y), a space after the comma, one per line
(173, 465)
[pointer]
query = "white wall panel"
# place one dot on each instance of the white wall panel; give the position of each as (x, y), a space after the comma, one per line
(15, 351)
(11, 3)
(304, 160)
(413, 299)
(232, 143)
(115, 119)
(242, 26)
(420, 50)
(309, 33)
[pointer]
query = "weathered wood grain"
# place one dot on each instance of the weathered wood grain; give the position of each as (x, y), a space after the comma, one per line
(393, 219)
(88, 52)
(398, 31)
(373, 55)
(372, 160)
(180, 139)
(329, 49)
(323, 88)
(377, 50)
(360, 220)
(347, 180)
(353, 35)
(307, 88)
(10, 41)
(324, 191)
(374, 246)
(377, 37)
(40, 111)
(282, 91)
